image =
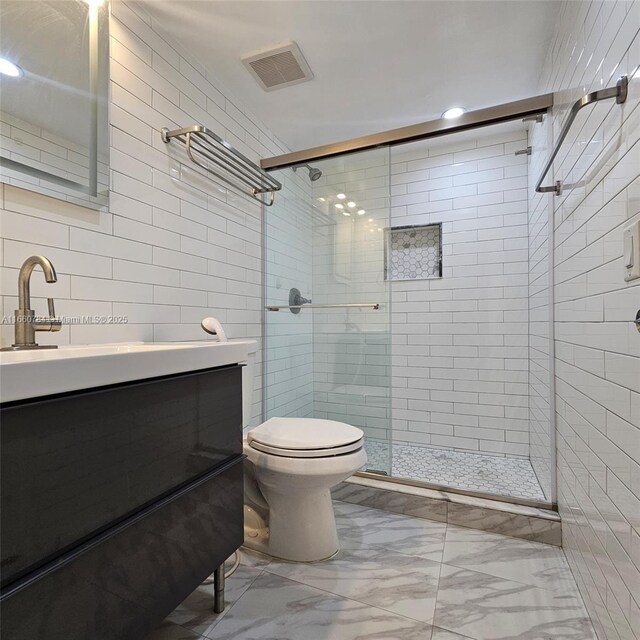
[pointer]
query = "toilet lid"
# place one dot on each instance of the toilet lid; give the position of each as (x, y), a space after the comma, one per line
(304, 434)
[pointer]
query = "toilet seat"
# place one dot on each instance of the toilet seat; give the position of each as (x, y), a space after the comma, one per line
(307, 453)
(305, 438)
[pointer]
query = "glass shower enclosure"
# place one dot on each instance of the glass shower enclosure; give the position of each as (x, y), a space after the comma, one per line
(327, 344)
(449, 233)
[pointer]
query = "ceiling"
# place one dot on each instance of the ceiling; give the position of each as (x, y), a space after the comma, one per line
(377, 64)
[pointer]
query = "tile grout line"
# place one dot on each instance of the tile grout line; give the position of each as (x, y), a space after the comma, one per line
(336, 595)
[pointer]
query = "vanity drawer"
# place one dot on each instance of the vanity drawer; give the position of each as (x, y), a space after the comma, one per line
(123, 583)
(76, 464)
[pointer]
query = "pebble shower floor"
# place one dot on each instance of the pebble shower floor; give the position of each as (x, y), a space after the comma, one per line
(512, 477)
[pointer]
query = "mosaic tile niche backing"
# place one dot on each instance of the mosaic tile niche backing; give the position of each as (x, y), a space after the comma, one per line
(414, 253)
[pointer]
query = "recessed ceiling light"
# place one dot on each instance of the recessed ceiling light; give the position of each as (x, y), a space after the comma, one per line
(370, 220)
(322, 199)
(8, 68)
(361, 212)
(346, 213)
(341, 196)
(454, 112)
(338, 206)
(351, 204)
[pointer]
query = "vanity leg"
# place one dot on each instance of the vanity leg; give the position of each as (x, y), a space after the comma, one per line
(218, 589)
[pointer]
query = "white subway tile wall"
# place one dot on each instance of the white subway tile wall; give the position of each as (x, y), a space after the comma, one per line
(460, 343)
(174, 247)
(597, 347)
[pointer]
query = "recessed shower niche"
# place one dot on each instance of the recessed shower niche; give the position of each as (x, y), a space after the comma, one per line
(413, 252)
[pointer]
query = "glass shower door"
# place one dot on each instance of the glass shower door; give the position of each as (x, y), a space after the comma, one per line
(324, 248)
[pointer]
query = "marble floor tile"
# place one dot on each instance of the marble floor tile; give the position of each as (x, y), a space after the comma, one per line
(251, 558)
(533, 563)
(196, 612)
(486, 607)
(399, 583)
(395, 578)
(402, 534)
(278, 608)
(442, 634)
(170, 631)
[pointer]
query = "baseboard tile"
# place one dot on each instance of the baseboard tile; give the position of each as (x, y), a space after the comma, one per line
(530, 523)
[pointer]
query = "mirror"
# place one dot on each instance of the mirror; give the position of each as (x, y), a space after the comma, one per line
(54, 98)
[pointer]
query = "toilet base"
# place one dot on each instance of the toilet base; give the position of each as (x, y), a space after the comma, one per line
(288, 506)
(302, 528)
(260, 544)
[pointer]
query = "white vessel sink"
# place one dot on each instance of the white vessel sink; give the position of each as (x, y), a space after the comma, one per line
(43, 372)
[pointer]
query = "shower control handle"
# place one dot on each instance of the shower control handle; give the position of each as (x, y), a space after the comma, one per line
(296, 299)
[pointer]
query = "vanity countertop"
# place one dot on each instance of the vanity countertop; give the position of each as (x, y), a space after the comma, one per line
(36, 373)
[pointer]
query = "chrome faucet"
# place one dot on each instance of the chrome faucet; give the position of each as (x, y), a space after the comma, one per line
(26, 321)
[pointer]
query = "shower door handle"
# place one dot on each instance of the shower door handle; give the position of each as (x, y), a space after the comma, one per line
(637, 320)
(346, 305)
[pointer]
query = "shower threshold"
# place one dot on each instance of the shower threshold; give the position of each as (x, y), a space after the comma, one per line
(482, 475)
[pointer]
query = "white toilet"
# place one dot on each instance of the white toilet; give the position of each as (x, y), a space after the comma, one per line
(291, 466)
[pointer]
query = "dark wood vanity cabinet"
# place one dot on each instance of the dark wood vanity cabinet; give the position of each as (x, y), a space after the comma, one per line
(117, 502)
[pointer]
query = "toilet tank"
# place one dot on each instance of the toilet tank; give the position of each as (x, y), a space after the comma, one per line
(248, 377)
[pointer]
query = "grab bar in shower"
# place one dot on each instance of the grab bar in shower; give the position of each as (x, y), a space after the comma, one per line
(350, 305)
(213, 154)
(619, 92)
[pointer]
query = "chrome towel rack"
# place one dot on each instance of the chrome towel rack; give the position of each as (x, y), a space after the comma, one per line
(213, 154)
(619, 92)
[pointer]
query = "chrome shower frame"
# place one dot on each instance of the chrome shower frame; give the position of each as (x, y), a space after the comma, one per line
(442, 126)
(529, 109)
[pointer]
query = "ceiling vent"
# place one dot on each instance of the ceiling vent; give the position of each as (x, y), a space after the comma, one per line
(279, 67)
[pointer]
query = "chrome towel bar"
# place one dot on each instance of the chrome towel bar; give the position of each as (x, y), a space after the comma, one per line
(352, 305)
(619, 92)
(211, 153)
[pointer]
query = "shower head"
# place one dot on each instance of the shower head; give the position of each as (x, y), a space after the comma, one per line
(314, 173)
